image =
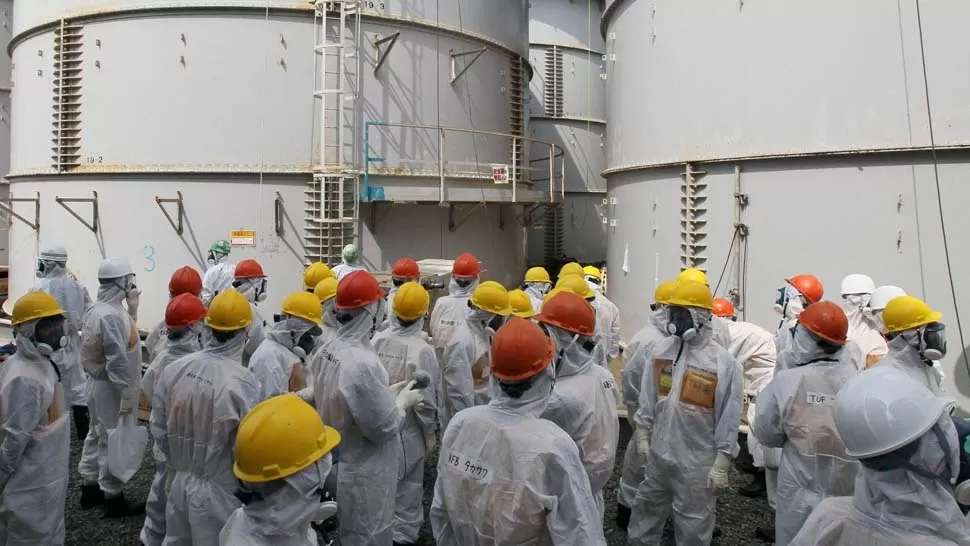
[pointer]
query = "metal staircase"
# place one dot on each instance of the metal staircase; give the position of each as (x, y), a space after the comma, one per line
(517, 112)
(66, 133)
(331, 203)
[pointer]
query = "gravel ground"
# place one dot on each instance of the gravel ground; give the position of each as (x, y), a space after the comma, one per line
(737, 516)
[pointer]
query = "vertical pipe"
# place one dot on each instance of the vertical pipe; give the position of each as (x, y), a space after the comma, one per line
(367, 160)
(441, 165)
(740, 239)
(552, 176)
(514, 167)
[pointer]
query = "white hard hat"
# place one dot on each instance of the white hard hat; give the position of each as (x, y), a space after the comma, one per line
(882, 410)
(54, 253)
(114, 268)
(883, 295)
(858, 284)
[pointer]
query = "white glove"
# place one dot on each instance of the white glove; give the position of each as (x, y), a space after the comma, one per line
(426, 338)
(129, 400)
(325, 511)
(717, 479)
(631, 411)
(396, 388)
(429, 440)
(132, 299)
(408, 397)
(306, 395)
(643, 442)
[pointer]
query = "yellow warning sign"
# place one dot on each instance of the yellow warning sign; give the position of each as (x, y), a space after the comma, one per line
(242, 237)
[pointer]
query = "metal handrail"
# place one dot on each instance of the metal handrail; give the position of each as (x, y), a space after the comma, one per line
(555, 152)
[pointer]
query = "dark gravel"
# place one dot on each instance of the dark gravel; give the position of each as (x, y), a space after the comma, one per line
(737, 516)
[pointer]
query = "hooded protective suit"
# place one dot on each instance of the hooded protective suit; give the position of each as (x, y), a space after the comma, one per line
(897, 507)
(198, 404)
(277, 363)
(352, 395)
(537, 292)
(217, 278)
(754, 348)
(583, 404)
(74, 299)
(905, 357)
(722, 332)
(505, 476)
(343, 269)
(153, 531)
(283, 516)
(111, 355)
(35, 438)
(156, 339)
(403, 351)
(450, 312)
(608, 323)
(796, 412)
(690, 405)
(863, 332)
(257, 328)
(465, 367)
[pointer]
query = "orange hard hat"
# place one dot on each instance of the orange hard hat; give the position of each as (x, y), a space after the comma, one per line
(406, 268)
(520, 350)
(184, 310)
(185, 280)
(809, 286)
(570, 312)
(723, 308)
(358, 289)
(249, 269)
(466, 266)
(826, 320)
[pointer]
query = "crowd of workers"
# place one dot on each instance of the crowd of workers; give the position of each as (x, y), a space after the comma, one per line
(265, 428)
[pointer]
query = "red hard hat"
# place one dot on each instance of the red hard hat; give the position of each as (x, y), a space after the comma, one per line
(809, 286)
(520, 350)
(358, 289)
(826, 320)
(185, 280)
(249, 269)
(406, 268)
(184, 310)
(466, 266)
(570, 312)
(723, 308)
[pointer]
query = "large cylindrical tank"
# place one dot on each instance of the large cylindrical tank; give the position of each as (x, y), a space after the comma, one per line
(6, 31)
(808, 123)
(567, 106)
(208, 109)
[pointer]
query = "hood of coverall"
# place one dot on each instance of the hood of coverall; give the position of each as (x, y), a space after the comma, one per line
(329, 318)
(532, 402)
(112, 292)
(25, 347)
(231, 349)
(805, 348)
(411, 330)
(477, 321)
(287, 511)
(459, 292)
(570, 357)
(702, 322)
(288, 331)
(537, 290)
(248, 288)
(858, 313)
(53, 270)
(914, 502)
(361, 327)
(594, 286)
(188, 343)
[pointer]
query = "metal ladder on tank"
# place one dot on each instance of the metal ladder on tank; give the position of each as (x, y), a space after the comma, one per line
(517, 104)
(66, 129)
(331, 202)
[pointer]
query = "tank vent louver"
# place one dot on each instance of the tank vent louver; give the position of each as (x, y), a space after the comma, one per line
(554, 250)
(693, 222)
(517, 94)
(553, 85)
(330, 209)
(66, 134)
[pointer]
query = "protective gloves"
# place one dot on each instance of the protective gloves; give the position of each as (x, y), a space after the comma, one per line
(631, 410)
(129, 400)
(396, 388)
(717, 479)
(132, 299)
(306, 394)
(643, 442)
(429, 439)
(407, 398)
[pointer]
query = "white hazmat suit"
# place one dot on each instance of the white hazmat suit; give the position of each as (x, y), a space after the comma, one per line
(537, 292)
(450, 312)
(74, 299)
(905, 357)
(863, 332)
(278, 363)
(754, 348)
(465, 367)
(218, 278)
(608, 322)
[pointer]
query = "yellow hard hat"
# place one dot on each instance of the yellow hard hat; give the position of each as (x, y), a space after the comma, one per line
(492, 297)
(906, 313)
(592, 271)
(229, 311)
(572, 268)
(663, 292)
(411, 301)
(577, 285)
(537, 274)
(304, 305)
(280, 437)
(35, 305)
(549, 296)
(326, 289)
(315, 273)
(693, 274)
(521, 304)
(692, 294)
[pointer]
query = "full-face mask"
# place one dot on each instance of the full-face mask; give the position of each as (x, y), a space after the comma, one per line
(303, 345)
(790, 302)
(46, 266)
(50, 335)
(256, 286)
(680, 323)
(929, 340)
(214, 257)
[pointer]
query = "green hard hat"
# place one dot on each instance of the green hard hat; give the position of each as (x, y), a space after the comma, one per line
(221, 246)
(350, 253)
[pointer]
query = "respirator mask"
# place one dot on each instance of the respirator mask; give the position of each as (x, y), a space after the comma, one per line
(680, 323)
(790, 302)
(932, 341)
(50, 335)
(303, 346)
(256, 286)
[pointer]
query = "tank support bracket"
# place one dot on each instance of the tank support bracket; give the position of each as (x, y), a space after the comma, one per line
(7, 205)
(177, 223)
(278, 214)
(455, 223)
(390, 40)
(455, 72)
(93, 225)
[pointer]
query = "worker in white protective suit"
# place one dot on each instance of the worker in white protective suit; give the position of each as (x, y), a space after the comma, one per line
(723, 314)
(73, 297)
(184, 326)
(795, 412)
(451, 311)
(634, 363)
(464, 364)
(198, 404)
(282, 462)
(111, 355)
(607, 314)
(250, 281)
(881, 297)
(578, 285)
(910, 454)
(798, 293)
(406, 355)
(35, 433)
(537, 285)
(585, 397)
(857, 292)
(687, 431)
(404, 271)
(279, 362)
(326, 292)
(350, 262)
(505, 476)
(352, 394)
(917, 339)
(219, 275)
(185, 280)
